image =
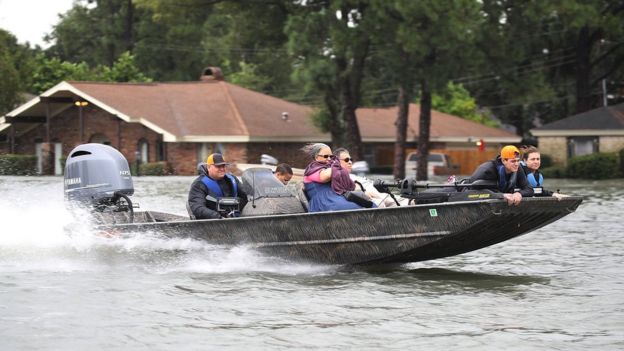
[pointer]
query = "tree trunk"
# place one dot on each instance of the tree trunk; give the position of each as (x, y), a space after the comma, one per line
(401, 133)
(424, 127)
(128, 30)
(584, 99)
(336, 124)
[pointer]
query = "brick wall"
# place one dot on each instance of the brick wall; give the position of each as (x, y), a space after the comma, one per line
(611, 143)
(182, 158)
(285, 152)
(555, 147)
(65, 128)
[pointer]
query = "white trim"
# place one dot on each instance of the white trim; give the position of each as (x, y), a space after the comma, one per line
(509, 140)
(577, 132)
(245, 139)
(65, 86)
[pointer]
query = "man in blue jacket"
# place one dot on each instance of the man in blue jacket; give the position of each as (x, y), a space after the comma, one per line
(504, 171)
(213, 184)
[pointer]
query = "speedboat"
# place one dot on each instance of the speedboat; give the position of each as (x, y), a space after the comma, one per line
(442, 223)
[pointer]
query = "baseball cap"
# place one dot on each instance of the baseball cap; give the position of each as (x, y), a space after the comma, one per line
(216, 159)
(510, 151)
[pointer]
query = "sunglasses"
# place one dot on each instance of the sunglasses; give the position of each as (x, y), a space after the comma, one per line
(348, 159)
(327, 156)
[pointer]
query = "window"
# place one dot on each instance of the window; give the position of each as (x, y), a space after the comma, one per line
(160, 151)
(143, 149)
(203, 150)
(99, 138)
(579, 146)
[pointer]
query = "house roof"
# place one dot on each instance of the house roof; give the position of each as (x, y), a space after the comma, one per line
(601, 121)
(377, 124)
(217, 111)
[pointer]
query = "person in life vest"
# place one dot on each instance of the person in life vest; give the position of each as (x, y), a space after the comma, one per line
(504, 170)
(530, 164)
(212, 185)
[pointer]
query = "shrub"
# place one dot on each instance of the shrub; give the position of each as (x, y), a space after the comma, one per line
(153, 169)
(553, 172)
(546, 161)
(622, 162)
(11, 164)
(593, 166)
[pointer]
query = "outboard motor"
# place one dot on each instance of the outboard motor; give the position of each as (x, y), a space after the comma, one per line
(98, 177)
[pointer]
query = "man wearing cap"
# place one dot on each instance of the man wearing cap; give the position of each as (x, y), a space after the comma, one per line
(212, 184)
(504, 171)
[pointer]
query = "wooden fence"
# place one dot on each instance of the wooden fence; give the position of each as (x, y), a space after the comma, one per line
(468, 160)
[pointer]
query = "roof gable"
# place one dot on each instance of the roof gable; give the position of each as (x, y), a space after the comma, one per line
(379, 123)
(603, 118)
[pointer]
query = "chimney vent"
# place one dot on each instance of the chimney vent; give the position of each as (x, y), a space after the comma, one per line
(211, 73)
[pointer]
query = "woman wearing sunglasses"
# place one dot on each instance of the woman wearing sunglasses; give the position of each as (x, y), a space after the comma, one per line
(346, 162)
(325, 180)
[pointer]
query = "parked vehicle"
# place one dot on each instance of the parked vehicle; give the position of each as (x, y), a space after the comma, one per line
(437, 164)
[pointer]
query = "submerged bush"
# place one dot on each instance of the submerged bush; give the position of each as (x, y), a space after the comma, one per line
(153, 169)
(11, 164)
(622, 162)
(553, 172)
(594, 166)
(546, 161)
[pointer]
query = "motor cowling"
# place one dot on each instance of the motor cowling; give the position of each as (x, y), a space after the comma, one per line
(97, 174)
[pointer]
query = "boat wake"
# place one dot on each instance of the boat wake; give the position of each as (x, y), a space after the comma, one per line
(42, 235)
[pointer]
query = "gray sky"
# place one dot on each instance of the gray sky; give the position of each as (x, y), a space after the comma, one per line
(30, 20)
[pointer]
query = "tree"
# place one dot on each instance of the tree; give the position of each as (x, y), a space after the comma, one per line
(9, 84)
(50, 72)
(331, 40)
(16, 64)
(428, 43)
(456, 100)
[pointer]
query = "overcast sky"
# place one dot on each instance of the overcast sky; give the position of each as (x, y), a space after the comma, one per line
(30, 20)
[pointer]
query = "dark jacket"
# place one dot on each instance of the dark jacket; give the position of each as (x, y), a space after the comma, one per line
(203, 209)
(507, 183)
(537, 178)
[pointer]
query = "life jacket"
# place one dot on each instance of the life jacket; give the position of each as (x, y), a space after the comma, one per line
(535, 179)
(505, 185)
(214, 187)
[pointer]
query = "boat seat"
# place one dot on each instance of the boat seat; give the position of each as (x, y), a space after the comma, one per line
(302, 196)
(188, 209)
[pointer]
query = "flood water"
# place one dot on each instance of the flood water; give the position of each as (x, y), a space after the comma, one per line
(558, 288)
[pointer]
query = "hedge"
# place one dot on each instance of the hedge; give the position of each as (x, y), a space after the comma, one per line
(622, 162)
(594, 166)
(553, 172)
(153, 169)
(11, 164)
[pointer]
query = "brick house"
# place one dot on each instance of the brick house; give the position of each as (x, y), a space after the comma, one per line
(597, 130)
(181, 123)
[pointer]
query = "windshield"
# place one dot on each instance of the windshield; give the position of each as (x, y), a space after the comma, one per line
(260, 182)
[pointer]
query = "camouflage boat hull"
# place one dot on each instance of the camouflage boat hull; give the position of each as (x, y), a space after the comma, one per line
(369, 236)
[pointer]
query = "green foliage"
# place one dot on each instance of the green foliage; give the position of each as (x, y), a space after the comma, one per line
(553, 172)
(16, 65)
(51, 71)
(593, 166)
(546, 161)
(621, 153)
(456, 100)
(249, 77)
(123, 70)
(9, 82)
(153, 169)
(18, 164)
